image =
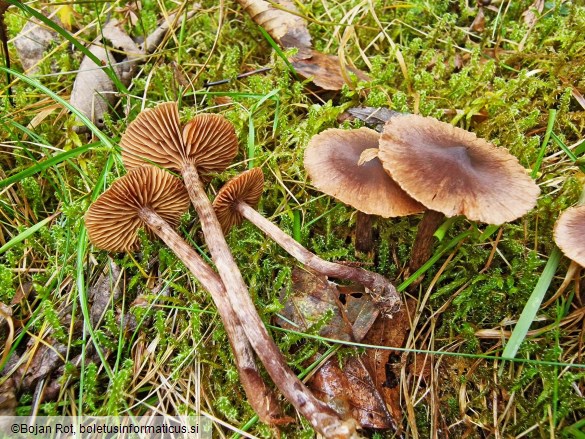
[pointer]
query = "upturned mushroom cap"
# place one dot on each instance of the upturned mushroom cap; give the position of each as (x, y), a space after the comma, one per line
(451, 170)
(569, 234)
(155, 136)
(331, 160)
(113, 219)
(246, 187)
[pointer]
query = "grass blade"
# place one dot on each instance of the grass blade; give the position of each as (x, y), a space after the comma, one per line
(28, 232)
(108, 70)
(45, 164)
(532, 306)
(88, 123)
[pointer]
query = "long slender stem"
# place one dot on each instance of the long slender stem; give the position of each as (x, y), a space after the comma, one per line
(381, 288)
(423, 243)
(322, 418)
(260, 397)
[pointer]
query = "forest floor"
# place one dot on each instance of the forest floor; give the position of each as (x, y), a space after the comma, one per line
(87, 332)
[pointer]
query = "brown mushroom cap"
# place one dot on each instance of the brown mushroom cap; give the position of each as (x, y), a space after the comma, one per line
(155, 136)
(569, 234)
(246, 187)
(331, 160)
(451, 170)
(113, 219)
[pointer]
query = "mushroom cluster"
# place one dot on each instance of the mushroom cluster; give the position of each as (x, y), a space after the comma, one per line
(419, 163)
(152, 198)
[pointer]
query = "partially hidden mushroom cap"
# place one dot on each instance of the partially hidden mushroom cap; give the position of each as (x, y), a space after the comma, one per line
(451, 170)
(113, 220)
(155, 136)
(246, 187)
(331, 160)
(569, 234)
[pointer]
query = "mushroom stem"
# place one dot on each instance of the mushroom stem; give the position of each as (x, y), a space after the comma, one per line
(363, 232)
(381, 288)
(423, 243)
(322, 418)
(260, 397)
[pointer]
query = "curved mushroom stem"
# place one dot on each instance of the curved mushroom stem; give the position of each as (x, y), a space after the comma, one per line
(423, 244)
(260, 397)
(383, 291)
(322, 418)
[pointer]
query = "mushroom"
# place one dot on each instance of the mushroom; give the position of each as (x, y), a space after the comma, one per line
(334, 162)
(205, 145)
(237, 200)
(569, 231)
(152, 198)
(453, 172)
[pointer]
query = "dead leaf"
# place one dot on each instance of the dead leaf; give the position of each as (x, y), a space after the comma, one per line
(478, 24)
(373, 117)
(32, 42)
(384, 365)
(288, 29)
(313, 298)
(351, 392)
(530, 15)
(46, 358)
(94, 93)
(7, 398)
(324, 70)
(105, 290)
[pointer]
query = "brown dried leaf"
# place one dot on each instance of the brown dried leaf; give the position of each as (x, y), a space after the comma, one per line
(478, 24)
(384, 365)
(32, 42)
(531, 14)
(288, 29)
(7, 398)
(314, 297)
(94, 93)
(106, 288)
(372, 116)
(46, 358)
(351, 392)
(324, 70)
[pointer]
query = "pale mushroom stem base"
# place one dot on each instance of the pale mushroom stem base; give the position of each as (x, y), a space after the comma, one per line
(260, 397)
(423, 243)
(382, 290)
(322, 418)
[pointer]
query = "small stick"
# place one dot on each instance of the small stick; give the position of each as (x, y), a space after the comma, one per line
(243, 75)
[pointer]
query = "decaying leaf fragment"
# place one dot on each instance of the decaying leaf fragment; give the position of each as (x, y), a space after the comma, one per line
(351, 392)
(94, 92)
(282, 20)
(32, 42)
(286, 28)
(314, 298)
(384, 365)
(348, 388)
(326, 71)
